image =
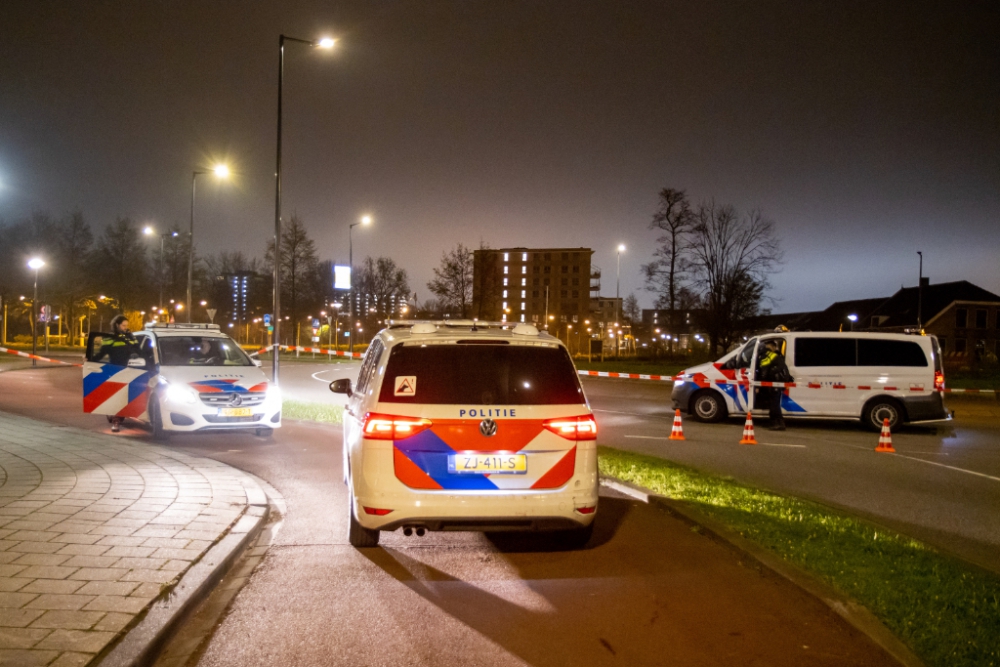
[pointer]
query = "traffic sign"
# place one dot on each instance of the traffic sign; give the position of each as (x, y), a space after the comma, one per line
(267, 320)
(315, 324)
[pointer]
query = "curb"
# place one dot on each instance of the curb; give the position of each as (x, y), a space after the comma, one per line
(142, 644)
(856, 615)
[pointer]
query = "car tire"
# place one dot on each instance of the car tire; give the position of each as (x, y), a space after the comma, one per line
(708, 406)
(359, 536)
(156, 421)
(879, 409)
(264, 432)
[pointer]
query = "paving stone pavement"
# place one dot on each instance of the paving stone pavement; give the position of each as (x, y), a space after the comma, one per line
(93, 528)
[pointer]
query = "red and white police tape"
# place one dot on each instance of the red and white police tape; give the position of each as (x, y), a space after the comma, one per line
(18, 353)
(783, 385)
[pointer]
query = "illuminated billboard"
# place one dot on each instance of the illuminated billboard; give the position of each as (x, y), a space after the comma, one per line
(341, 277)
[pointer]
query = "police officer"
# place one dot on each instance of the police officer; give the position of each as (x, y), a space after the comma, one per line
(118, 349)
(774, 369)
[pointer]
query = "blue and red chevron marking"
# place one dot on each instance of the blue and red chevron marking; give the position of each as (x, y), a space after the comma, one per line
(98, 387)
(218, 386)
(428, 454)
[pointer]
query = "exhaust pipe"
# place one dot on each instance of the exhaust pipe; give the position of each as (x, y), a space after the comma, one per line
(407, 531)
(420, 532)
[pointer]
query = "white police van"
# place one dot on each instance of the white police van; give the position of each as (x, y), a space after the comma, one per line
(865, 376)
(462, 425)
(187, 377)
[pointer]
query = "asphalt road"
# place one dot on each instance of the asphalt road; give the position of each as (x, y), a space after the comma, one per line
(646, 591)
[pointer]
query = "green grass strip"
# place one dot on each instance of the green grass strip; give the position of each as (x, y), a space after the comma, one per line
(947, 611)
(310, 411)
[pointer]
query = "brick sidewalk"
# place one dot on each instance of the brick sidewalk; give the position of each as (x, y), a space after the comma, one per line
(94, 528)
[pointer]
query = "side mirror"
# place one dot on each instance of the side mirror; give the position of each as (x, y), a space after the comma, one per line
(137, 363)
(257, 362)
(342, 386)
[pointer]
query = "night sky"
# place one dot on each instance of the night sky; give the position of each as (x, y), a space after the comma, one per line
(865, 130)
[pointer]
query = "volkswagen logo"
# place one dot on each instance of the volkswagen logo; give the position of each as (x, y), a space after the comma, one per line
(488, 427)
(235, 400)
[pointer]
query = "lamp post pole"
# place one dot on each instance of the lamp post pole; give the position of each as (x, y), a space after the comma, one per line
(325, 43)
(920, 293)
(618, 282)
(34, 264)
(350, 260)
(194, 180)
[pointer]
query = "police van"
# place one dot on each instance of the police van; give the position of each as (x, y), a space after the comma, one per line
(186, 377)
(463, 425)
(870, 377)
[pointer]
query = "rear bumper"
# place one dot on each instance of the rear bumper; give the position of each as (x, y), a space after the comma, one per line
(926, 408)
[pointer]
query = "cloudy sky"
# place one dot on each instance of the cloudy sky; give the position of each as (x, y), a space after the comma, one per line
(866, 131)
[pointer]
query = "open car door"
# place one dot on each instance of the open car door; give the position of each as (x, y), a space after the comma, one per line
(116, 391)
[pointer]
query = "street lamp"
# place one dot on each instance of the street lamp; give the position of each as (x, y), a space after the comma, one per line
(35, 263)
(618, 281)
(365, 220)
(221, 171)
(853, 318)
(324, 43)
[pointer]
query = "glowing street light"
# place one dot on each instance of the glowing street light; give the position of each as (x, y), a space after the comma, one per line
(365, 220)
(322, 43)
(853, 318)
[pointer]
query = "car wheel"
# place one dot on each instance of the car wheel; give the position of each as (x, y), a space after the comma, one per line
(359, 536)
(264, 432)
(880, 409)
(708, 406)
(578, 537)
(156, 420)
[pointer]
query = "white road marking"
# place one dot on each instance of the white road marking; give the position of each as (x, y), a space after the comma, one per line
(648, 437)
(941, 465)
(326, 370)
(774, 444)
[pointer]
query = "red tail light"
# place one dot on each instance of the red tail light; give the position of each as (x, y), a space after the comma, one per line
(573, 428)
(587, 510)
(392, 427)
(377, 511)
(938, 381)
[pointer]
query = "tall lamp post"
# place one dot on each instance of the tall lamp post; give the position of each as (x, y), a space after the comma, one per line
(365, 220)
(853, 318)
(920, 293)
(35, 264)
(222, 171)
(325, 43)
(618, 282)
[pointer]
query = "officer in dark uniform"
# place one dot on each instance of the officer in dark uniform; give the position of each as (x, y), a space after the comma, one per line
(774, 369)
(118, 349)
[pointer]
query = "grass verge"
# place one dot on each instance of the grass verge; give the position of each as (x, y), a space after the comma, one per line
(309, 411)
(948, 612)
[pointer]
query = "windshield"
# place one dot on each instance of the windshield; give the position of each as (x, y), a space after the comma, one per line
(480, 375)
(201, 351)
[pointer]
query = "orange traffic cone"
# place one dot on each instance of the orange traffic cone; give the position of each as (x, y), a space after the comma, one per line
(885, 440)
(677, 432)
(748, 436)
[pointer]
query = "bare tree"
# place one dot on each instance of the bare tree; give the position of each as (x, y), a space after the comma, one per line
(299, 269)
(631, 310)
(74, 281)
(668, 274)
(382, 282)
(120, 264)
(487, 287)
(452, 282)
(733, 258)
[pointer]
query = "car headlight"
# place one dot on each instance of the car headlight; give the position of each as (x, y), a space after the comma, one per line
(179, 394)
(273, 394)
(678, 382)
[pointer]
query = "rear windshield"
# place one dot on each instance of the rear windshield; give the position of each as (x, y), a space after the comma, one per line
(480, 375)
(201, 351)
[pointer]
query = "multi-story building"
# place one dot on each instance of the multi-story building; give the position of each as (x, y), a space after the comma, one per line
(540, 286)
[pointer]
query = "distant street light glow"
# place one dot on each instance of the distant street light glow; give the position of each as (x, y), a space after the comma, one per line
(147, 230)
(221, 170)
(36, 263)
(326, 43)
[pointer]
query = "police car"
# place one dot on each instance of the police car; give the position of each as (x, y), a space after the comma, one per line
(463, 425)
(187, 377)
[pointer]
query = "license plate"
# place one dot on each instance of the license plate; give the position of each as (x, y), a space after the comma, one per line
(492, 464)
(235, 412)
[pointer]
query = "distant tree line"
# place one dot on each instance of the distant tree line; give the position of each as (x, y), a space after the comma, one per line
(117, 269)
